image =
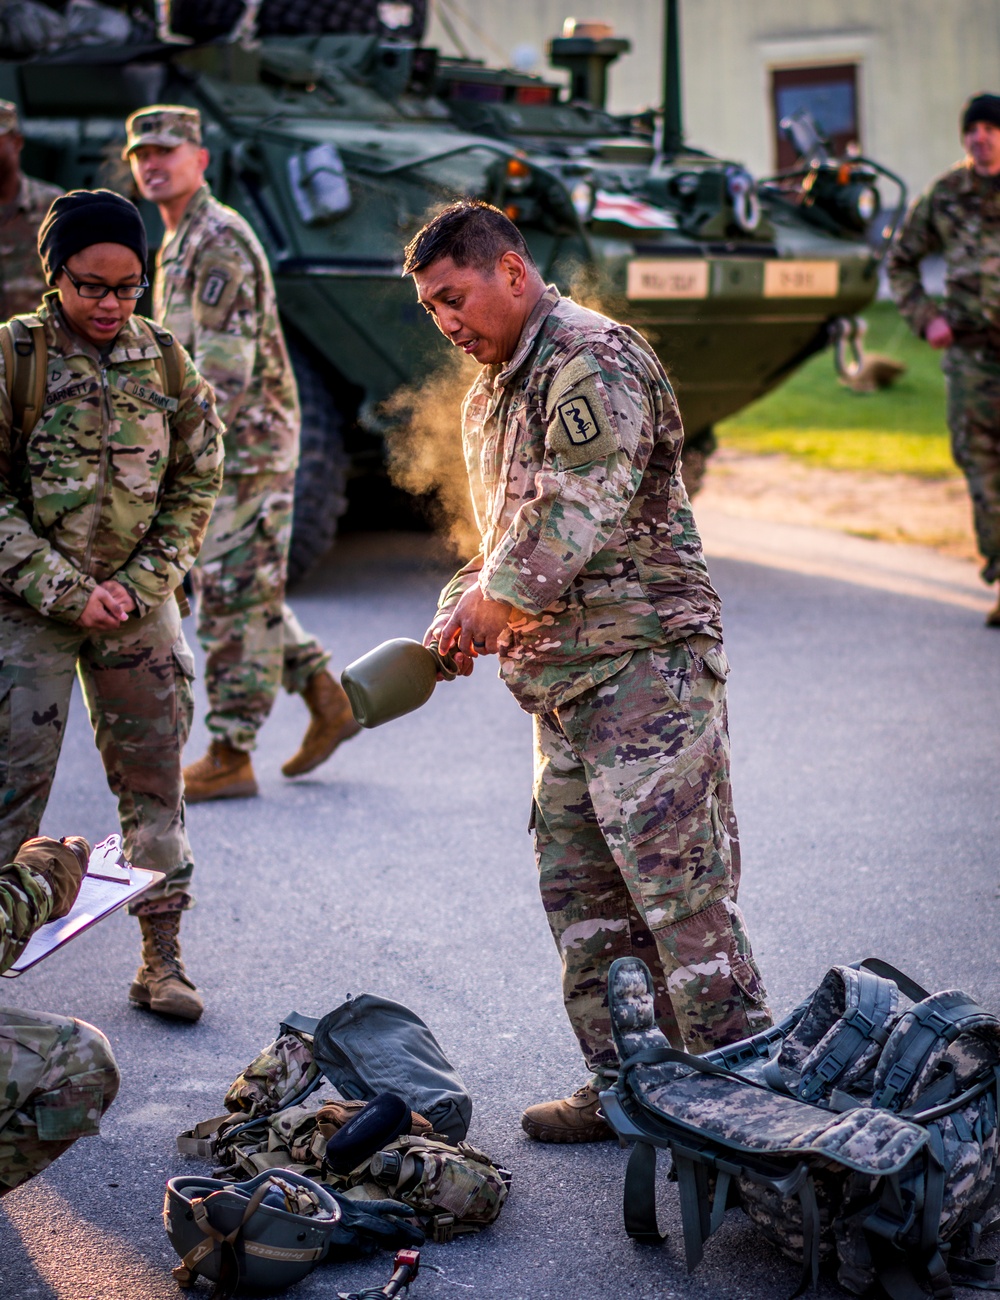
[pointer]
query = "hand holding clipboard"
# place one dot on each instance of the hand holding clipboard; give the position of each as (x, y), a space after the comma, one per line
(111, 882)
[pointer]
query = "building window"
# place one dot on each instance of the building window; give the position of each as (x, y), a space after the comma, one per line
(829, 93)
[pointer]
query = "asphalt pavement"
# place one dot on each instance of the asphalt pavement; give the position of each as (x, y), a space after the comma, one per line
(865, 712)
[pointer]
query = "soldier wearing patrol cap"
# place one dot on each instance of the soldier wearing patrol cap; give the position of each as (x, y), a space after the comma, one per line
(958, 216)
(23, 205)
(213, 290)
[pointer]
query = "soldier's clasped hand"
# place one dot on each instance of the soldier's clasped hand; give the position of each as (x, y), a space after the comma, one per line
(108, 607)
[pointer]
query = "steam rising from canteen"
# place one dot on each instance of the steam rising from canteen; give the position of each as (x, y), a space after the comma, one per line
(425, 447)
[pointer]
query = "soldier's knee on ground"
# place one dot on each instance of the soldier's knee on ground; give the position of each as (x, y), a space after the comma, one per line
(79, 1082)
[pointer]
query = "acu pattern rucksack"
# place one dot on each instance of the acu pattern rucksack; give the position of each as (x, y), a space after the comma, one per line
(858, 1130)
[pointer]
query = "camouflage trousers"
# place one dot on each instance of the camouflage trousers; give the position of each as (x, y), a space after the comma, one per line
(638, 850)
(57, 1078)
(253, 642)
(974, 422)
(137, 686)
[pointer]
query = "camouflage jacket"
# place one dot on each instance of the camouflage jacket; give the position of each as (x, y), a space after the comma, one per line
(213, 290)
(115, 481)
(25, 904)
(22, 283)
(573, 454)
(959, 216)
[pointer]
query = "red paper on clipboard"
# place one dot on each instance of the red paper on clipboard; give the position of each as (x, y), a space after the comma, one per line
(111, 882)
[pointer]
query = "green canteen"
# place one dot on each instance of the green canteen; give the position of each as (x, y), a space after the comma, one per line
(394, 678)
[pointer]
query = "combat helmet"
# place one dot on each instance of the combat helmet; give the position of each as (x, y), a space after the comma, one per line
(264, 1234)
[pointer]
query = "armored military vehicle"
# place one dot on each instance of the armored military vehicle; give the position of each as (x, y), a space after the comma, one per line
(335, 132)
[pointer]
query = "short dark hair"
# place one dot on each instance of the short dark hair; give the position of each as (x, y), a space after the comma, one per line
(471, 233)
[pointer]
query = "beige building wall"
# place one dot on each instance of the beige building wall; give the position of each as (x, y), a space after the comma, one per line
(917, 60)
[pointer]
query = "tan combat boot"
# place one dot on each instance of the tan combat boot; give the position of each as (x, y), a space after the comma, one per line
(570, 1119)
(224, 773)
(332, 722)
(161, 982)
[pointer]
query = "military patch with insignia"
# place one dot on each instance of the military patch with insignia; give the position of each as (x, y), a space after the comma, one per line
(578, 420)
(215, 283)
(580, 426)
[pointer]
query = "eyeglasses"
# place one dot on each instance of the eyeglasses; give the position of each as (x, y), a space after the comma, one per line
(126, 292)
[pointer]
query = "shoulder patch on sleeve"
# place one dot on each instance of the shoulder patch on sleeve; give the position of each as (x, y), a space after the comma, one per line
(213, 285)
(218, 280)
(580, 429)
(571, 374)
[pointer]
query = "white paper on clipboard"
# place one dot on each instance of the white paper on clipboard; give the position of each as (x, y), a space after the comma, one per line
(111, 882)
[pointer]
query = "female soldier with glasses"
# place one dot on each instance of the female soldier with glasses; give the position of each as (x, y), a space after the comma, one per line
(105, 496)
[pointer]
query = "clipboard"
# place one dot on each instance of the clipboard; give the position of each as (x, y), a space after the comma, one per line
(111, 882)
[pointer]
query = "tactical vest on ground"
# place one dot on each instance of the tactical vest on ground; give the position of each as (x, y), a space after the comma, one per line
(279, 1116)
(454, 1189)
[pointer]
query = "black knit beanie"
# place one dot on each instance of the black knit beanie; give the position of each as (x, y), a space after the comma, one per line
(981, 108)
(84, 217)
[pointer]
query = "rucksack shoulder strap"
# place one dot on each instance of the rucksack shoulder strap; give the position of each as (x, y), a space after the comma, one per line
(170, 363)
(25, 355)
(925, 1030)
(870, 1003)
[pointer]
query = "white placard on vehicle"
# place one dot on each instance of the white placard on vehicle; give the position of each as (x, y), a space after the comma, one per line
(787, 279)
(667, 279)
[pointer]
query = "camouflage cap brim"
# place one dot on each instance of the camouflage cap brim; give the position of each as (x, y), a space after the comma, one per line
(164, 139)
(163, 125)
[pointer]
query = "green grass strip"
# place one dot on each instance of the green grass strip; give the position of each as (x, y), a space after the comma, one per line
(815, 419)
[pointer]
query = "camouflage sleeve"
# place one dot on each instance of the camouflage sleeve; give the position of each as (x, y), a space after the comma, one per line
(25, 903)
(225, 307)
(596, 450)
(918, 238)
(30, 567)
(466, 577)
(158, 565)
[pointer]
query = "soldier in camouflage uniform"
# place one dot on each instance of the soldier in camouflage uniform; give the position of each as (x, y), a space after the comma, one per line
(57, 1075)
(23, 205)
(103, 507)
(213, 290)
(959, 216)
(592, 587)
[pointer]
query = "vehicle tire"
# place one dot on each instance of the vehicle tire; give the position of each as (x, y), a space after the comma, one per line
(359, 17)
(207, 19)
(321, 478)
(698, 448)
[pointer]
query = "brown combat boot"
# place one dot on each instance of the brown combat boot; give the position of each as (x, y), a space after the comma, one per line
(993, 617)
(332, 722)
(161, 982)
(570, 1119)
(224, 773)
